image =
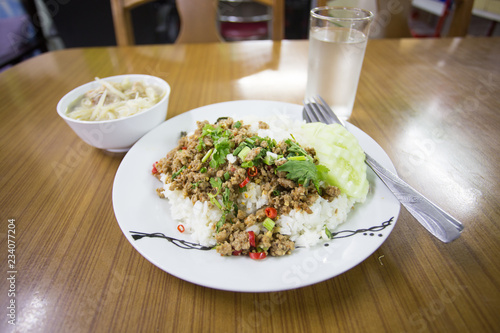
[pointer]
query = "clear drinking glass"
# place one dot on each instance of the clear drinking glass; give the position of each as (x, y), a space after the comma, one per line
(337, 43)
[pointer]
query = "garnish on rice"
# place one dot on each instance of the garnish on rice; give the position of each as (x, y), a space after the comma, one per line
(248, 190)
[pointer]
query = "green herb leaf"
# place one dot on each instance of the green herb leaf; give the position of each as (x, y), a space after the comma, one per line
(222, 148)
(222, 144)
(226, 206)
(213, 164)
(294, 149)
(303, 172)
(216, 183)
(221, 222)
(201, 144)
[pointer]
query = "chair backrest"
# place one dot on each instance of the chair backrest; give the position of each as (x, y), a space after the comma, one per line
(122, 21)
(198, 20)
(392, 17)
(278, 17)
(461, 18)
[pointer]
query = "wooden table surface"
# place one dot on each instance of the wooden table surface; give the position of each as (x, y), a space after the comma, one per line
(432, 104)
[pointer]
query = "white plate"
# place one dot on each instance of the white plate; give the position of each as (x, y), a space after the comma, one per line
(139, 209)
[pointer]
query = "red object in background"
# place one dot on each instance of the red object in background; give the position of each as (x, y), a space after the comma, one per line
(244, 31)
(439, 24)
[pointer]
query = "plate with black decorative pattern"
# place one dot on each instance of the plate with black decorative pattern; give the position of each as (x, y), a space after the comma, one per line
(145, 219)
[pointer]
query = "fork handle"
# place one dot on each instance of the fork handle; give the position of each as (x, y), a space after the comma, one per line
(434, 219)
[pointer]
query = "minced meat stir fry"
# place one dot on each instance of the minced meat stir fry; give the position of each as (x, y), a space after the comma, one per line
(218, 161)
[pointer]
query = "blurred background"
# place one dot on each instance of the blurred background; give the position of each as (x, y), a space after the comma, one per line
(30, 27)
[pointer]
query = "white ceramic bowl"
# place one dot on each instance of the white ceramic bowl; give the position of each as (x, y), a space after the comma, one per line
(117, 135)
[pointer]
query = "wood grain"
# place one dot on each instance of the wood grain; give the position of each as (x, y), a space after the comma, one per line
(431, 104)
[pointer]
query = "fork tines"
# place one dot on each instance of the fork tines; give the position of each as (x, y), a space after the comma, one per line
(317, 110)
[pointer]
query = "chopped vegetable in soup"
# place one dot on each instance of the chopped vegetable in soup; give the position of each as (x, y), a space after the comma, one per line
(114, 100)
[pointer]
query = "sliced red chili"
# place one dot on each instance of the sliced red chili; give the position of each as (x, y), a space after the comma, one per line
(271, 212)
(184, 148)
(257, 255)
(245, 182)
(181, 228)
(237, 253)
(154, 171)
(251, 238)
(252, 171)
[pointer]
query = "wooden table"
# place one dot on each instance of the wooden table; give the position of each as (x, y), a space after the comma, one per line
(432, 104)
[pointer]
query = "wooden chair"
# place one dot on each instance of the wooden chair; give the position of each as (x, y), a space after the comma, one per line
(201, 15)
(392, 18)
(388, 22)
(461, 18)
(198, 20)
(278, 20)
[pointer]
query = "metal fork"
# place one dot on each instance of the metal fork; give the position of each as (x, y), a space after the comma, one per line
(439, 223)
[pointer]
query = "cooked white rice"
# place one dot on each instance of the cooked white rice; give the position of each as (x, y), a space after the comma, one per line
(304, 229)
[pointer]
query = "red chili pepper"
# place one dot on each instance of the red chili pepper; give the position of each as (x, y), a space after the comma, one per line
(154, 171)
(181, 228)
(245, 182)
(257, 255)
(184, 148)
(271, 212)
(251, 238)
(252, 171)
(237, 253)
